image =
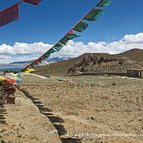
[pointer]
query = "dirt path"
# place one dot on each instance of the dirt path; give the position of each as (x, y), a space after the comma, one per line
(25, 124)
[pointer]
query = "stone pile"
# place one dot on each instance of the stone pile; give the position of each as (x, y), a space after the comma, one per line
(7, 93)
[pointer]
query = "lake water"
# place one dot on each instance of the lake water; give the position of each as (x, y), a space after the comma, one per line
(10, 68)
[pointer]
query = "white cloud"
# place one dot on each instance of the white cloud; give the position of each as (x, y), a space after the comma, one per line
(24, 52)
(126, 43)
(6, 49)
(35, 48)
(134, 38)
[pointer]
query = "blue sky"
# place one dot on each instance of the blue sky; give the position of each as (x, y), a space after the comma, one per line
(39, 27)
(51, 19)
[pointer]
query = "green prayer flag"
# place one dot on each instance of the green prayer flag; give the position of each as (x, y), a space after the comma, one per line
(52, 50)
(58, 47)
(72, 36)
(94, 14)
(80, 27)
(104, 3)
(64, 40)
(47, 54)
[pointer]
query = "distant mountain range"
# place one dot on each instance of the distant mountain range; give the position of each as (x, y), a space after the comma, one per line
(50, 60)
(57, 59)
(16, 66)
(21, 62)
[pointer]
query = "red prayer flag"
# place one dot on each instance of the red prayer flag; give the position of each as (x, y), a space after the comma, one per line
(70, 33)
(10, 80)
(38, 60)
(35, 2)
(9, 15)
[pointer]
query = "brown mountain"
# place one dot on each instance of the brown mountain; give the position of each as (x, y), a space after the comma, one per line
(134, 54)
(96, 63)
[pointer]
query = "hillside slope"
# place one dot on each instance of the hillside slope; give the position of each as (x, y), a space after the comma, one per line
(134, 58)
(61, 68)
(134, 54)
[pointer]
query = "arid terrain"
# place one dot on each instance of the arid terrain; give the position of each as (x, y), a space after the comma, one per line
(60, 108)
(87, 109)
(96, 63)
(25, 124)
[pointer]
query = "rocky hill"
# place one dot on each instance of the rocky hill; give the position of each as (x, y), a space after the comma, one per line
(99, 65)
(96, 63)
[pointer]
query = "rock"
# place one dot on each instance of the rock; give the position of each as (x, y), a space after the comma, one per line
(113, 84)
(99, 65)
(8, 95)
(92, 118)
